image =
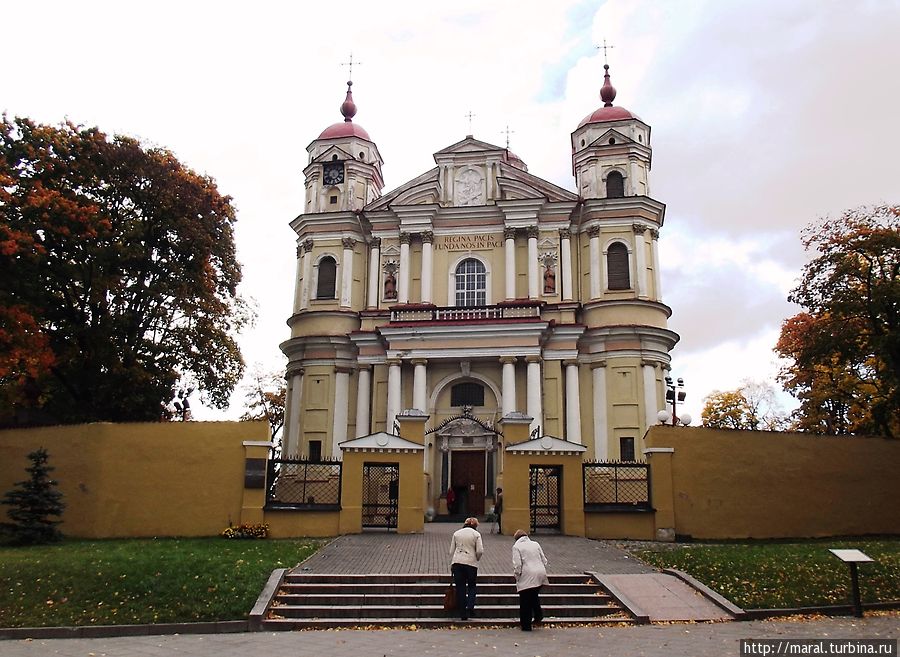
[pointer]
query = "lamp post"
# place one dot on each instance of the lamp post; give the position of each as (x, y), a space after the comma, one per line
(675, 394)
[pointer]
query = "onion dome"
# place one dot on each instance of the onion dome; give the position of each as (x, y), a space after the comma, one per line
(607, 112)
(347, 128)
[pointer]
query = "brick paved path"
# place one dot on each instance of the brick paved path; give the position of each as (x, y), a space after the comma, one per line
(706, 640)
(429, 552)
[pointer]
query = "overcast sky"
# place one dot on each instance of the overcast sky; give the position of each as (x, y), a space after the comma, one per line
(765, 116)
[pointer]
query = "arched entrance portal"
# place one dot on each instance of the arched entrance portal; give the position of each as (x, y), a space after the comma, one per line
(468, 448)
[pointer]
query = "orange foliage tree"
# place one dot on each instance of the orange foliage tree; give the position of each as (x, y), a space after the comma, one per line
(844, 349)
(118, 278)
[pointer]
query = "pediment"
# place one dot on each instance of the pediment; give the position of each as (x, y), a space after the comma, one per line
(621, 138)
(469, 145)
(381, 441)
(328, 155)
(546, 445)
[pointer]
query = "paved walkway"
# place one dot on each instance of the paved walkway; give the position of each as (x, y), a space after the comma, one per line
(691, 640)
(429, 552)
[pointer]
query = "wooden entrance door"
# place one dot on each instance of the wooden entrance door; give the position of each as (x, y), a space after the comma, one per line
(467, 480)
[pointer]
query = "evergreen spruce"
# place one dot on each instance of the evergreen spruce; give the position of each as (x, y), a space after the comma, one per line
(34, 502)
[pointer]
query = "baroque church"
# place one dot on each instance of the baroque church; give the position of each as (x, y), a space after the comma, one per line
(477, 292)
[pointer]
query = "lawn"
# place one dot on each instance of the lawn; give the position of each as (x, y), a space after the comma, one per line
(117, 582)
(778, 575)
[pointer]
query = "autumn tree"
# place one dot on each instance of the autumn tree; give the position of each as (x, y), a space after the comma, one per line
(118, 277)
(843, 350)
(265, 397)
(751, 406)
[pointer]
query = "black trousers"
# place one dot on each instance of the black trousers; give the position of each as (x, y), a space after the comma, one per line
(464, 577)
(530, 607)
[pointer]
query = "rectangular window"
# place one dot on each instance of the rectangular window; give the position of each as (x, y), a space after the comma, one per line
(315, 450)
(626, 449)
(467, 394)
(333, 200)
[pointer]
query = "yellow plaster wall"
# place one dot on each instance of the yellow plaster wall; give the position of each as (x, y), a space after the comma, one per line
(148, 479)
(738, 484)
(634, 526)
(516, 509)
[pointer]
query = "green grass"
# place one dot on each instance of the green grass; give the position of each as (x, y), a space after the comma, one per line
(779, 575)
(117, 582)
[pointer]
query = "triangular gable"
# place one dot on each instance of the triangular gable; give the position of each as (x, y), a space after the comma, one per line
(469, 145)
(381, 441)
(326, 155)
(425, 180)
(546, 445)
(612, 134)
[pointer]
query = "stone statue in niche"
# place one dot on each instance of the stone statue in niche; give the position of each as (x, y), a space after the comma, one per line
(549, 280)
(390, 286)
(470, 188)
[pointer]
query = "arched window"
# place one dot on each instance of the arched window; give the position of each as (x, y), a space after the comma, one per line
(617, 267)
(615, 185)
(326, 280)
(471, 283)
(469, 393)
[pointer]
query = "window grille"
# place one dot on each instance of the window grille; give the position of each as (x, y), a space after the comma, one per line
(467, 394)
(471, 283)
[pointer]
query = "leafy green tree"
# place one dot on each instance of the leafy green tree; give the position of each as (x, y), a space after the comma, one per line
(118, 278)
(843, 350)
(751, 406)
(34, 504)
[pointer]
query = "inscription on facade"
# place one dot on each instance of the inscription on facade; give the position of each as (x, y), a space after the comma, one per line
(468, 242)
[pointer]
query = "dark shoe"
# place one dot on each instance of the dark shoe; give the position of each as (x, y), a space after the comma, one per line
(463, 617)
(526, 629)
(471, 613)
(539, 620)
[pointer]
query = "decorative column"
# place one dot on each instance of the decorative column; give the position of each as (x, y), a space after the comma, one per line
(509, 385)
(651, 402)
(601, 422)
(427, 267)
(640, 261)
(573, 403)
(598, 274)
(654, 251)
(341, 409)
(363, 401)
(420, 385)
(509, 241)
(533, 274)
(290, 445)
(394, 391)
(632, 184)
(403, 283)
(565, 249)
(374, 273)
(347, 271)
(298, 282)
(534, 406)
(307, 273)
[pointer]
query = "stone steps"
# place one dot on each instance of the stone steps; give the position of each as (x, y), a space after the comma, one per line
(313, 601)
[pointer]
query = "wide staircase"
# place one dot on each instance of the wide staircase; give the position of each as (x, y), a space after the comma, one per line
(308, 601)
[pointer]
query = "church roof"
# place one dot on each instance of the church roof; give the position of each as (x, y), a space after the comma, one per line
(346, 128)
(381, 441)
(608, 112)
(546, 444)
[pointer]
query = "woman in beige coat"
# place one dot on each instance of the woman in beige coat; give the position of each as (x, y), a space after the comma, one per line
(466, 548)
(529, 568)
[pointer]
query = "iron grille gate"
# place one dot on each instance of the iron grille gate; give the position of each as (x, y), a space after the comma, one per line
(381, 487)
(545, 495)
(616, 486)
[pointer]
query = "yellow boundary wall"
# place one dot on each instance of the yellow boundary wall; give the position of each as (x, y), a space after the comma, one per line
(142, 479)
(712, 484)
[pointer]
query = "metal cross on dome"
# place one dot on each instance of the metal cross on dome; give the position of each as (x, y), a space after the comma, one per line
(469, 116)
(507, 132)
(604, 47)
(350, 65)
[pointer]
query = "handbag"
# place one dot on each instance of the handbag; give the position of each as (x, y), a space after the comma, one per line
(450, 598)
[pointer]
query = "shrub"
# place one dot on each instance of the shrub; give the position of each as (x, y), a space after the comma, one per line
(33, 504)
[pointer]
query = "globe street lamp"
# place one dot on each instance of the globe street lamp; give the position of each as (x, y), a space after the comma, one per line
(675, 394)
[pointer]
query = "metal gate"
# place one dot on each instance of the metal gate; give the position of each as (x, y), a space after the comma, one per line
(381, 488)
(545, 496)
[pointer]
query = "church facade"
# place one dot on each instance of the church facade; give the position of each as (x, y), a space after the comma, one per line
(474, 292)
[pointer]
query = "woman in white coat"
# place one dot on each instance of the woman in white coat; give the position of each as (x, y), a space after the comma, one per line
(529, 568)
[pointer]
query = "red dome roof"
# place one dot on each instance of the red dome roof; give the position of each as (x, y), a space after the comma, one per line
(608, 114)
(345, 129)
